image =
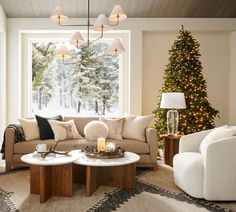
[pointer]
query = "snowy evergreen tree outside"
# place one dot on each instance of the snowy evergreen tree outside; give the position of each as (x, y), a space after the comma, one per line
(87, 84)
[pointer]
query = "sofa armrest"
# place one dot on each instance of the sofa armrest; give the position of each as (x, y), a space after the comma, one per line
(151, 138)
(9, 144)
(220, 169)
(191, 142)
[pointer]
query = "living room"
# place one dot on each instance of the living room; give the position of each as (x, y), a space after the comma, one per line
(141, 61)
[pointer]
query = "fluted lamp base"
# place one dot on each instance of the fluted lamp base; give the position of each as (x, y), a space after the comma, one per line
(172, 122)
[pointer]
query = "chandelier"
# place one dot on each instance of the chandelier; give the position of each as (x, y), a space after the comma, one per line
(101, 24)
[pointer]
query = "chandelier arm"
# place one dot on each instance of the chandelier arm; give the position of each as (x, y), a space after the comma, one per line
(88, 23)
(101, 36)
(117, 21)
(64, 25)
(84, 25)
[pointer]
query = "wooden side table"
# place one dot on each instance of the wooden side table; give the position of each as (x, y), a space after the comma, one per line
(171, 147)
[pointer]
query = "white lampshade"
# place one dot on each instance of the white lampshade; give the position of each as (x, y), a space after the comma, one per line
(173, 101)
(117, 12)
(116, 47)
(63, 53)
(101, 22)
(58, 12)
(77, 39)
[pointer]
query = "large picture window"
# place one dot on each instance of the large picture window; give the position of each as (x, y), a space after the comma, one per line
(86, 84)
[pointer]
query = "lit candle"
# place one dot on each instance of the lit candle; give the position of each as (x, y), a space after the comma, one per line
(110, 146)
(101, 144)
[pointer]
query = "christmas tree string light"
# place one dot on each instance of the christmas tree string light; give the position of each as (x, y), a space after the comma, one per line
(183, 73)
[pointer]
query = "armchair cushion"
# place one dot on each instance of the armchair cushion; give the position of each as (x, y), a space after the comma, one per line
(216, 134)
(188, 172)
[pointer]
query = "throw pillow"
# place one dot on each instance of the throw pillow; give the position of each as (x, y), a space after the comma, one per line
(45, 129)
(95, 129)
(134, 127)
(115, 127)
(64, 130)
(215, 135)
(30, 128)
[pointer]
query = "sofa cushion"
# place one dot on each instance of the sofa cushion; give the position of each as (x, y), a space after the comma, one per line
(29, 146)
(115, 127)
(80, 122)
(95, 129)
(134, 127)
(64, 130)
(129, 145)
(30, 128)
(45, 129)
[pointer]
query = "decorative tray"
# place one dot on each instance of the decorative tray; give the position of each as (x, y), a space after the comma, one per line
(92, 152)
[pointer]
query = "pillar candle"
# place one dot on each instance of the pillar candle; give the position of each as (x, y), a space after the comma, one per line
(101, 144)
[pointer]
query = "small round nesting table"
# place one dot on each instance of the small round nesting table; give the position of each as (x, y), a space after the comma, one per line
(118, 172)
(52, 176)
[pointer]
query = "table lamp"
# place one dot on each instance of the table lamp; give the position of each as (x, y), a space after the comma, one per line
(172, 101)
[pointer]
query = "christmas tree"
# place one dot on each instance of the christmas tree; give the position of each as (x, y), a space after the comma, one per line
(183, 73)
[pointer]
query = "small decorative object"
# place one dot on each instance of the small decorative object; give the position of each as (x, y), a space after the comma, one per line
(172, 101)
(53, 150)
(41, 148)
(95, 129)
(101, 144)
(92, 152)
(110, 146)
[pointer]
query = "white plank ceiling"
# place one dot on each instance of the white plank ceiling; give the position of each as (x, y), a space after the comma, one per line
(134, 8)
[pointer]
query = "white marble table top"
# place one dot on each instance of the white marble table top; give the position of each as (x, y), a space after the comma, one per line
(51, 160)
(128, 158)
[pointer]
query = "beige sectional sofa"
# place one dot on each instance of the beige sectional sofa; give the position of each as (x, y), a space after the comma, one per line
(147, 150)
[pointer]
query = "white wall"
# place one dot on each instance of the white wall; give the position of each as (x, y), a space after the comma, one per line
(3, 30)
(150, 41)
(232, 80)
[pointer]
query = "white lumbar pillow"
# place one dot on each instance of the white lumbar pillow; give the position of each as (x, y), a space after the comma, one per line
(64, 130)
(215, 135)
(115, 127)
(134, 127)
(95, 129)
(30, 128)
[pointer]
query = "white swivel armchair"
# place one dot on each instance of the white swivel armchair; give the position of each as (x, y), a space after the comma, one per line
(212, 175)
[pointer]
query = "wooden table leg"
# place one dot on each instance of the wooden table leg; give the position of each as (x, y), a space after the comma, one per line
(34, 179)
(120, 176)
(45, 183)
(62, 180)
(51, 180)
(172, 142)
(93, 179)
(117, 176)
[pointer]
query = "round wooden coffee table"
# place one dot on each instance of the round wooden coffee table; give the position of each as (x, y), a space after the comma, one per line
(52, 176)
(119, 172)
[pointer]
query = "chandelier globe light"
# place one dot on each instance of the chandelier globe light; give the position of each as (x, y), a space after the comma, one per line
(101, 24)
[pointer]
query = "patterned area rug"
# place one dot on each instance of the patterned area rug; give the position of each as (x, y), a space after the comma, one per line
(155, 191)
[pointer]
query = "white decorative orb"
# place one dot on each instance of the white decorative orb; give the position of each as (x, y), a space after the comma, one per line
(95, 129)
